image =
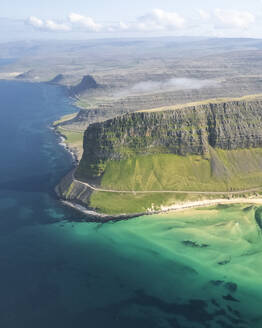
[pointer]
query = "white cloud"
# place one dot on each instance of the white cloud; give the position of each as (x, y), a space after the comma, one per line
(34, 21)
(123, 26)
(159, 19)
(49, 25)
(232, 18)
(204, 14)
(118, 27)
(86, 22)
(219, 22)
(156, 20)
(53, 26)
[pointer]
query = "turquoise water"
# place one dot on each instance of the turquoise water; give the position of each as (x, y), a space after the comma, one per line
(200, 268)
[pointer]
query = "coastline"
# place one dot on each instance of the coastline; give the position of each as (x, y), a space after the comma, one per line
(102, 217)
(94, 216)
(62, 143)
(71, 150)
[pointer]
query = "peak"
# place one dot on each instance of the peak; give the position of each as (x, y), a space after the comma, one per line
(87, 83)
(58, 78)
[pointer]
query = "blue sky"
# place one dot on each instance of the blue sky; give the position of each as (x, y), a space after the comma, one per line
(115, 9)
(95, 18)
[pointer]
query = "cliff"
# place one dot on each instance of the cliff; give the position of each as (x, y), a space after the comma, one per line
(192, 130)
(142, 161)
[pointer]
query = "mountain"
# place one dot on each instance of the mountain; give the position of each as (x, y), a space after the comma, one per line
(213, 147)
(29, 75)
(57, 79)
(87, 84)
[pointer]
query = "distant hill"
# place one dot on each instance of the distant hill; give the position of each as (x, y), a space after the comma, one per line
(29, 75)
(87, 84)
(57, 79)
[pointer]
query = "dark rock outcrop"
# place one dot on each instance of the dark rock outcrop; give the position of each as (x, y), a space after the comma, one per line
(71, 190)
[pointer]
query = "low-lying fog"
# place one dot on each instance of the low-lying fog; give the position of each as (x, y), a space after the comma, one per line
(150, 86)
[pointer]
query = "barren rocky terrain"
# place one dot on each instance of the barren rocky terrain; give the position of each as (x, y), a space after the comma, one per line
(113, 77)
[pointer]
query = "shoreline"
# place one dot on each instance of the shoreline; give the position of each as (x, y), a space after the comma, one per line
(63, 144)
(103, 218)
(94, 216)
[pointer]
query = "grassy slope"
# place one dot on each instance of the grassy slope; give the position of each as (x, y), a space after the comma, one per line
(221, 171)
(118, 203)
(64, 118)
(73, 139)
(71, 136)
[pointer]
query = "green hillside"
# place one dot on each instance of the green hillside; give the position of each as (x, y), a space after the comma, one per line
(221, 170)
(119, 203)
(214, 147)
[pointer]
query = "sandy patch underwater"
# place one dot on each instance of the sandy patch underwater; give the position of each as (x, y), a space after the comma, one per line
(211, 255)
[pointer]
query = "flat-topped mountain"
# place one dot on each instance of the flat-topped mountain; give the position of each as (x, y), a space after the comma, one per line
(208, 148)
(188, 131)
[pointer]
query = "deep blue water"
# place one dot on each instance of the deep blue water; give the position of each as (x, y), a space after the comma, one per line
(32, 162)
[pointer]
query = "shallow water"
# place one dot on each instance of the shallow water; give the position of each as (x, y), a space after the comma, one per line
(198, 268)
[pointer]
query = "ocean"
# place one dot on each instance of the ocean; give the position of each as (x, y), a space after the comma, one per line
(192, 269)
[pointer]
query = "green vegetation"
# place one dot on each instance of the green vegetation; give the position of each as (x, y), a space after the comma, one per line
(222, 170)
(64, 118)
(92, 102)
(80, 103)
(211, 148)
(185, 132)
(74, 139)
(120, 203)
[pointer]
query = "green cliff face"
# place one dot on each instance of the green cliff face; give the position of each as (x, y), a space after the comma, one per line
(188, 131)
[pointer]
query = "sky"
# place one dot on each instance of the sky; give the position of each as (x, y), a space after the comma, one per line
(116, 18)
